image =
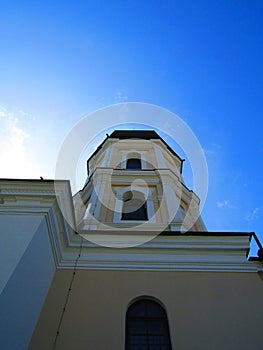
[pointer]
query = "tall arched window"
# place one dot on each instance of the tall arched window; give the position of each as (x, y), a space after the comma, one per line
(134, 163)
(147, 327)
(134, 206)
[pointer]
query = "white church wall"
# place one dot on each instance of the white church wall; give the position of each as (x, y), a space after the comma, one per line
(28, 268)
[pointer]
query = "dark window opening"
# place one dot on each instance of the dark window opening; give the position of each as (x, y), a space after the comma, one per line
(133, 163)
(147, 327)
(134, 206)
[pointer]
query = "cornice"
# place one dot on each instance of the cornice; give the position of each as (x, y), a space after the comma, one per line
(169, 251)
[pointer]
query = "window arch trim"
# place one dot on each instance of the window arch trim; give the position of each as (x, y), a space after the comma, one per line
(133, 153)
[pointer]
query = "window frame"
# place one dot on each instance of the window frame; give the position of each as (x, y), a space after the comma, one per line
(139, 214)
(148, 321)
(134, 163)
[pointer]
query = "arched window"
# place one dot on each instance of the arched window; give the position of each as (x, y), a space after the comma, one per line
(134, 206)
(133, 163)
(147, 327)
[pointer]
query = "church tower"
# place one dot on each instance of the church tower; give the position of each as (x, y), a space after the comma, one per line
(135, 183)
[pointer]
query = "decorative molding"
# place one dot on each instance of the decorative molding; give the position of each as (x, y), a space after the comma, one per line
(169, 251)
(179, 252)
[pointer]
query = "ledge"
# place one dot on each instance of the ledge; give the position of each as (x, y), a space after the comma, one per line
(171, 251)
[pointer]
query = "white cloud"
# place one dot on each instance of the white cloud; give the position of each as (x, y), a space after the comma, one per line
(15, 158)
(213, 149)
(120, 97)
(24, 113)
(225, 204)
(2, 114)
(252, 215)
(209, 152)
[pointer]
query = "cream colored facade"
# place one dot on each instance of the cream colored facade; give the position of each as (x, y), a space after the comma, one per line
(67, 287)
(170, 204)
(206, 310)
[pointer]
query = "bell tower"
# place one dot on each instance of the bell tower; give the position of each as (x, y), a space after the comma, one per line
(135, 182)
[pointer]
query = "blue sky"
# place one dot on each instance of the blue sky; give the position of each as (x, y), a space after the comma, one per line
(202, 60)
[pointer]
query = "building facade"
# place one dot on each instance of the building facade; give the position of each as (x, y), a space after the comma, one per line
(126, 263)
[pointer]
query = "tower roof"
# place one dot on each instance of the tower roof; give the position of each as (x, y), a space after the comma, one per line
(141, 134)
(135, 134)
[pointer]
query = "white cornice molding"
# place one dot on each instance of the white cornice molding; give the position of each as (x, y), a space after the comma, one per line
(169, 252)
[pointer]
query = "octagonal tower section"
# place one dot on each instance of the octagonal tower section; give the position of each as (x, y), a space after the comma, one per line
(134, 181)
